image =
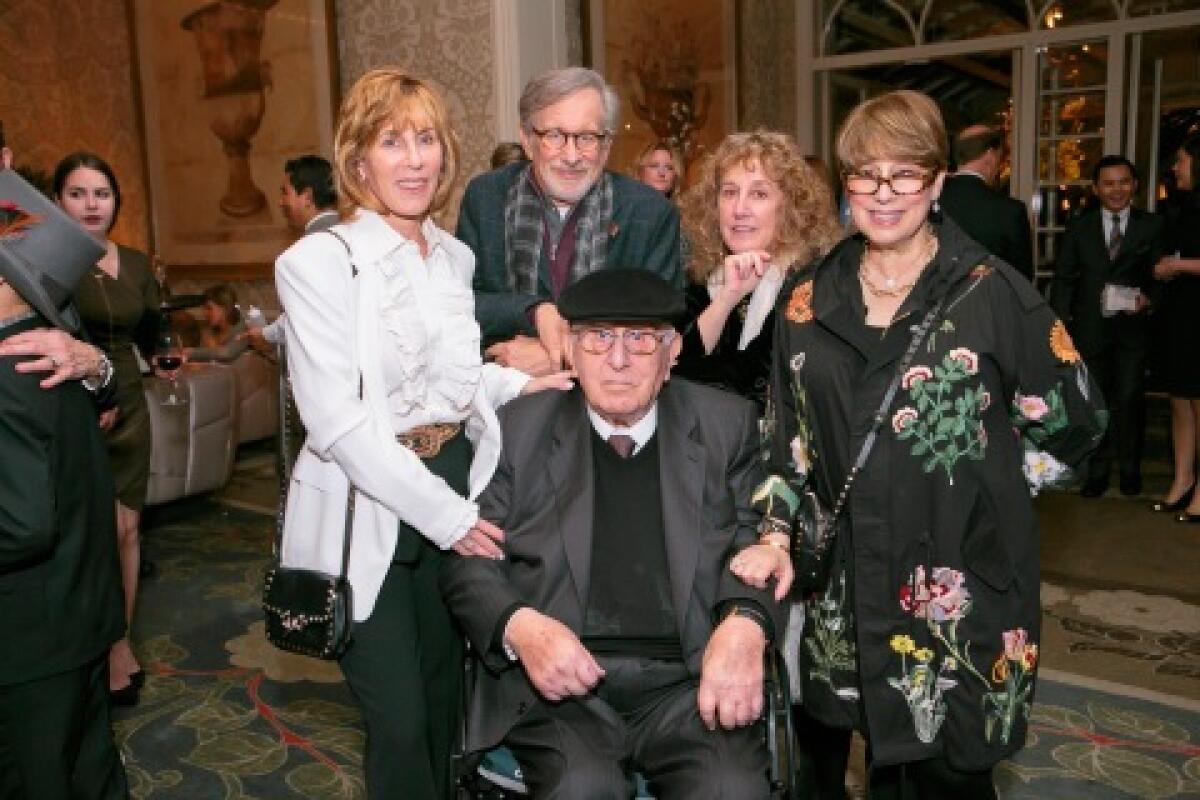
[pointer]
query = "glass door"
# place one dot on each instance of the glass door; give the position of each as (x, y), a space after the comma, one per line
(1072, 80)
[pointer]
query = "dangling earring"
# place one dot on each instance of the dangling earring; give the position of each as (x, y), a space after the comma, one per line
(935, 212)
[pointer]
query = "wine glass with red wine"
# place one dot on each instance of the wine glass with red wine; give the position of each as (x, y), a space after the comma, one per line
(168, 358)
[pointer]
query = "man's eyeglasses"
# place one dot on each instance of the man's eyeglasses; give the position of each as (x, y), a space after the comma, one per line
(904, 182)
(638, 341)
(587, 142)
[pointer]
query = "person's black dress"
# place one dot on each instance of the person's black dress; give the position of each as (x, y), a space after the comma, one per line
(1181, 303)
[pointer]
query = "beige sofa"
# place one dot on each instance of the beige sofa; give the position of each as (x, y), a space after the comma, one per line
(193, 444)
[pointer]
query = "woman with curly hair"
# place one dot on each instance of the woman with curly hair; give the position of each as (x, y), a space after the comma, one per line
(758, 212)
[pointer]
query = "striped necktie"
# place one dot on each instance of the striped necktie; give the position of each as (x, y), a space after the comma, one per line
(1114, 238)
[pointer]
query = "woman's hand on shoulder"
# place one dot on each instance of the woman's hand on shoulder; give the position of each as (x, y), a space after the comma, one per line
(742, 272)
(757, 564)
(562, 381)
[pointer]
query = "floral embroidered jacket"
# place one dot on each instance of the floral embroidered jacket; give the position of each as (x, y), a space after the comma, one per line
(926, 637)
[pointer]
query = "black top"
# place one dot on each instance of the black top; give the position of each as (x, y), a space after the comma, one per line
(744, 372)
(1180, 306)
(629, 608)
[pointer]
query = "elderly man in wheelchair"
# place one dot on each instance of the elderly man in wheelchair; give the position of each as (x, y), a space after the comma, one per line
(614, 639)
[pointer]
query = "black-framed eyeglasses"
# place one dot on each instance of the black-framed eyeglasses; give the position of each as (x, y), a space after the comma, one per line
(638, 341)
(586, 142)
(903, 182)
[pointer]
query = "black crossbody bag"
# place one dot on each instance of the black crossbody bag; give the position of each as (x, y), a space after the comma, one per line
(815, 527)
(308, 611)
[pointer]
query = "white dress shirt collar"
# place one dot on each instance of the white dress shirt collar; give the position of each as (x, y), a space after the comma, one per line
(640, 431)
(375, 238)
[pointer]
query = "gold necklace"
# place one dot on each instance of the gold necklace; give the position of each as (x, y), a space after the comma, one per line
(890, 289)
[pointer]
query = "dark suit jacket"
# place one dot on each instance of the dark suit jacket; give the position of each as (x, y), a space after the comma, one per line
(644, 233)
(60, 589)
(996, 221)
(542, 496)
(1083, 268)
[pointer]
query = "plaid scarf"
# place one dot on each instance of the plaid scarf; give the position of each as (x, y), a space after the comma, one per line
(525, 224)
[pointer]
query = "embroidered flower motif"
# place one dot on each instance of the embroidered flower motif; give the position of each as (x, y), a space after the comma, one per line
(799, 307)
(1012, 673)
(797, 362)
(903, 418)
(903, 644)
(799, 448)
(985, 399)
(943, 599)
(1042, 469)
(966, 358)
(982, 271)
(914, 374)
(1061, 344)
(1032, 407)
(923, 654)
(1014, 643)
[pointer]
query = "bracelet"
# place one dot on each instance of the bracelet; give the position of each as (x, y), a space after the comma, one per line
(749, 612)
(771, 525)
(774, 542)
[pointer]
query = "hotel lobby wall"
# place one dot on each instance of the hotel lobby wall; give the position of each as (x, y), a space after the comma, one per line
(66, 84)
(67, 81)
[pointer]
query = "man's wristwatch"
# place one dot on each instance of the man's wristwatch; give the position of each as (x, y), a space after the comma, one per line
(104, 370)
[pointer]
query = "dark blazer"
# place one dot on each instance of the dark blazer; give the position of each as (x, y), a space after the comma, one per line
(644, 233)
(998, 222)
(1083, 268)
(60, 589)
(542, 496)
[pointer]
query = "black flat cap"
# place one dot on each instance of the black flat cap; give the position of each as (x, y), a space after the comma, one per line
(622, 295)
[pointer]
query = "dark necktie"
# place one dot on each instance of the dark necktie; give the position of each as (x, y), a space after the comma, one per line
(622, 443)
(1114, 239)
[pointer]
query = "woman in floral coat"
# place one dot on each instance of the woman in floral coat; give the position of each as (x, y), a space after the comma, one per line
(926, 636)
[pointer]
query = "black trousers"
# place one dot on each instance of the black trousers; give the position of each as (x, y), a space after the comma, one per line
(405, 665)
(56, 739)
(643, 716)
(1120, 370)
(824, 753)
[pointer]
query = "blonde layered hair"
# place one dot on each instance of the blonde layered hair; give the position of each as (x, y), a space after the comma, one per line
(806, 227)
(676, 160)
(898, 126)
(383, 96)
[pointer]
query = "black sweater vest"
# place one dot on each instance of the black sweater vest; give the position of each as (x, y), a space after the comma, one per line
(629, 610)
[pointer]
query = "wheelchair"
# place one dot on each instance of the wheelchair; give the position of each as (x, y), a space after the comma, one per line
(496, 775)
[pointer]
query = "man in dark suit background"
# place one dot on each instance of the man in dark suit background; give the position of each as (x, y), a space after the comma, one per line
(613, 634)
(538, 226)
(60, 589)
(998, 222)
(1101, 285)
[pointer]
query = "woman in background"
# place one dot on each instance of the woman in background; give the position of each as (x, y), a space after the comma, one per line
(383, 352)
(221, 338)
(757, 213)
(118, 303)
(660, 167)
(1182, 325)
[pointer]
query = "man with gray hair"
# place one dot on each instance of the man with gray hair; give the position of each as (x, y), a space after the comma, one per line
(538, 226)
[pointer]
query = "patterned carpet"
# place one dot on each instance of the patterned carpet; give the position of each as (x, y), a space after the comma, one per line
(226, 716)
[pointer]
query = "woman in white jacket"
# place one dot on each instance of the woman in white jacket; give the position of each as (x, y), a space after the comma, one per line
(383, 350)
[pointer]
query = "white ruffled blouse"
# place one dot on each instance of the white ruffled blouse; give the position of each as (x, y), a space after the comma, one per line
(432, 367)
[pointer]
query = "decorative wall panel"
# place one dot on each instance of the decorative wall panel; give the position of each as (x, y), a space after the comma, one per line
(66, 84)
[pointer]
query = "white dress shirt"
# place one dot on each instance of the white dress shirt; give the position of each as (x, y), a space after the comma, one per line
(1106, 217)
(640, 431)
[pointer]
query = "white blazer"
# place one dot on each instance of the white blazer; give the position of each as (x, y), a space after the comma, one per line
(334, 332)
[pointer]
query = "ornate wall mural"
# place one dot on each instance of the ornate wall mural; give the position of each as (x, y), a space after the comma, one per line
(66, 84)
